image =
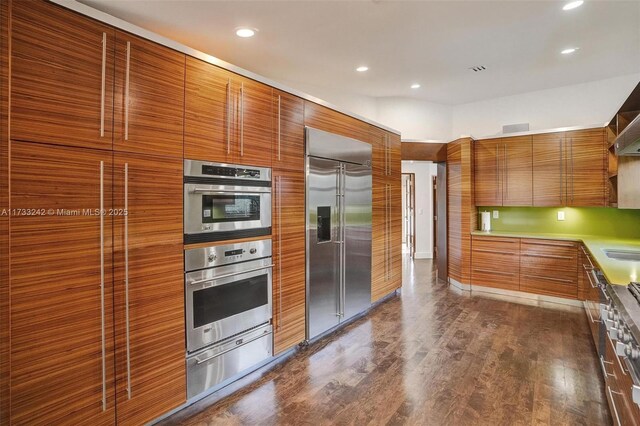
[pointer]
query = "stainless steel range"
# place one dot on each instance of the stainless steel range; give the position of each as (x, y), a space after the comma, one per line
(228, 311)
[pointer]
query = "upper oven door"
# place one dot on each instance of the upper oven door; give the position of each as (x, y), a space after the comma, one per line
(220, 208)
(227, 300)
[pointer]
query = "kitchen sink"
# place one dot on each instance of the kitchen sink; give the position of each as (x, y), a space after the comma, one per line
(630, 255)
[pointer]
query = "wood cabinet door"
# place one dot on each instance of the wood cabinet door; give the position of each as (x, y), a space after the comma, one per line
(61, 77)
(586, 168)
(209, 132)
(487, 172)
(323, 118)
(549, 170)
(61, 308)
(149, 286)
(289, 278)
(149, 97)
(395, 210)
(254, 122)
(517, 171)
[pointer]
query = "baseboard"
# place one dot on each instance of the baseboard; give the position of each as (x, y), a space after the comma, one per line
(460, 286)
(540, 298)
(423, 255)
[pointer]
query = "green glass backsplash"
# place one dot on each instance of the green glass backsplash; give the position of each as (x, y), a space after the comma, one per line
(601, 221)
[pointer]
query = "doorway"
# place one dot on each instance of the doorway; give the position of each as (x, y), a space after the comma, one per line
(408, 214)
(434, 186)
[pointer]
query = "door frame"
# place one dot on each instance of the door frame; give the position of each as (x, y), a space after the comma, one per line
(411, 201)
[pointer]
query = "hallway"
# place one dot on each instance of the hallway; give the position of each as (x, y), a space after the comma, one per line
(432, 356)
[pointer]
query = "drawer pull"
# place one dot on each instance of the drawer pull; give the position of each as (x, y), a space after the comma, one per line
(551, 244)
(604, 368)
(586, 308)
(613, 405)
(562, 280)
(548, 256)
(493, 272)
(494, 252)
(615, 352)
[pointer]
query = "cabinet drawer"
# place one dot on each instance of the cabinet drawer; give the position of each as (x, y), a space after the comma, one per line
(618, 389)
(496, 245)
(553, 259)
(551, 286)
(495, 262)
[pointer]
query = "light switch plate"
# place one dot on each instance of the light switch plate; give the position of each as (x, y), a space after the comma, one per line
(496, 214)
(560, 215)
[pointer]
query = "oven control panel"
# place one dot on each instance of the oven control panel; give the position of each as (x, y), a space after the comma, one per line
(210, 257)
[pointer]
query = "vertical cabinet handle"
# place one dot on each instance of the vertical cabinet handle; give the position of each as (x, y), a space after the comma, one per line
(561, 168)
(505, 181)
(126, 92)
(279, 124)
(103, 82)
(102, 313)
(241, 119)
(497, 172)
(126, 275)
(229, 117)
(571, 156)
(279, 207)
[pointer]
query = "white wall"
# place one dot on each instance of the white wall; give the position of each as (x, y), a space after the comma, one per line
(416, 119)
(592, 103)
(424, 170)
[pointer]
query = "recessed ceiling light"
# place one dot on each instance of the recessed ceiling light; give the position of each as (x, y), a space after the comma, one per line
(362, 69)
(572, 5)
(245, 32)
(415, 86)
(569, 50)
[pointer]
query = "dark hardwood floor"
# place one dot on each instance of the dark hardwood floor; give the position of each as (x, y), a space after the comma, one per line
(432, 356)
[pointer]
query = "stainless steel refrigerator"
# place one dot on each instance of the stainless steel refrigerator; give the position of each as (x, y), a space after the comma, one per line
(338, 202)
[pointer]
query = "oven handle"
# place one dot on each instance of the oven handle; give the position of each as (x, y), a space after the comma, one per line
(214, 191)
(219, 277)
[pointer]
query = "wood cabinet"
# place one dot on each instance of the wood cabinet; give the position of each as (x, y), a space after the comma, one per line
(228, 118)
(323, 118)
(149, 286)
(386, 214)
(549, 267)
(570, 169)
(590, 293)
(289, 278)
(503, 170)
(495, 262)
(149, 97)
(618, 387)
(61, 77)
(587, 167)
(61, 308)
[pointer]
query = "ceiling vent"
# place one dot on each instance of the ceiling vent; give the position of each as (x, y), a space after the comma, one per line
(478, 68)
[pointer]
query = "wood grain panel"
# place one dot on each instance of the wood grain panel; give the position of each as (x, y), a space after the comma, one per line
(549, 267)
(254, 122)
(424, 151)
(549, 170)
(56, 85)
(517, 185)
(323, 118)
(4, 219)
(488, 174)
(495, 262)
(379, 263)
(395, 209)
(148, 259)
(621, 385)
(209, 116)
(152, 120)
(461, 211)
(587, 166)
(289, 277)
(56, 322)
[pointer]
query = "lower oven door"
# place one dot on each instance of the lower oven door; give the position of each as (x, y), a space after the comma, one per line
(225, 301)
(214, 365)
(218, 212)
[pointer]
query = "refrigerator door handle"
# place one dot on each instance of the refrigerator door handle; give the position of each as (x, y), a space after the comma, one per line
(342, 240)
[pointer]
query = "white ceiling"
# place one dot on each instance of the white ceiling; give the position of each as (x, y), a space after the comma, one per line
(428, 42)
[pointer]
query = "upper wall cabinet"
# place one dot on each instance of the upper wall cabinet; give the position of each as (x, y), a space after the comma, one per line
(323, 118)
(228, 118)
(503, 170)
(61, 77)
(149, 97)
(570, 168)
